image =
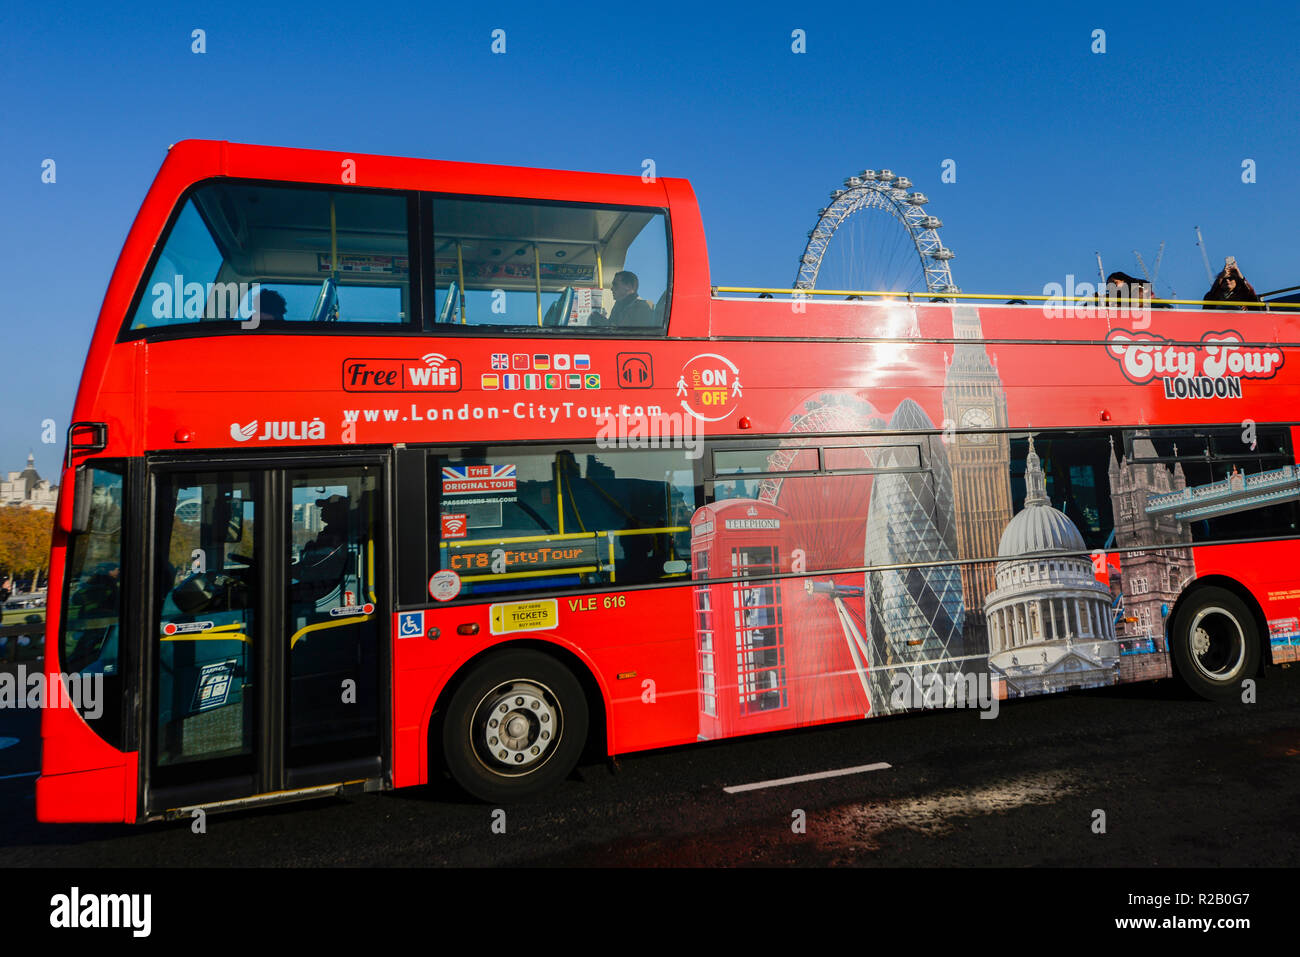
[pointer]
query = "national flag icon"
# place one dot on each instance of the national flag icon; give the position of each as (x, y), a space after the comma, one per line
(500, 360)
(532, 381)
(581, 362)
(591, 380)
(574, 381)
(541, 362)
(510, 381)
(519, 361)
(491, 380)
(554, 381)
(561, 362)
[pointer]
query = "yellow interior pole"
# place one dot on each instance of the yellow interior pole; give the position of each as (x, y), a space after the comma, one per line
(460, 272)
(559, 493)
(537, 276)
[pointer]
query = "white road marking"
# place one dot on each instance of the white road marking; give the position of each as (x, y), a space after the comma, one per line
(25, 774)
(777, 782)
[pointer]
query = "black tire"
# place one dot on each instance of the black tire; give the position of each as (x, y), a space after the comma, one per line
(1215, 643)
(516, 725)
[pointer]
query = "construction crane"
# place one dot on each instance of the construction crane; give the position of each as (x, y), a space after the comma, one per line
(1200, 241)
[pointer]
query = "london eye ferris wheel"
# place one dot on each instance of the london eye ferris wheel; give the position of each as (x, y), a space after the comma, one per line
(876, 235)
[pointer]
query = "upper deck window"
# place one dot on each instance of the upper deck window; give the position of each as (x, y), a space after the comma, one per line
(549, 266)
(277, 256)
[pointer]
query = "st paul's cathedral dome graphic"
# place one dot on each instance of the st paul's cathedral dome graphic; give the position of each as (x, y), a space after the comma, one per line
(1050, 624)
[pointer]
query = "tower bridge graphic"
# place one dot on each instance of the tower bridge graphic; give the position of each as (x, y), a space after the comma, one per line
(1237, 493)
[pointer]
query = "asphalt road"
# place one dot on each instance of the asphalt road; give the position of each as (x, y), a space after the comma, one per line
(1124, 777)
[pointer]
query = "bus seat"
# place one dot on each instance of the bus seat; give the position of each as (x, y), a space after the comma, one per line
(661, 307)
(327, 302)
(447, 313)
(558, 313)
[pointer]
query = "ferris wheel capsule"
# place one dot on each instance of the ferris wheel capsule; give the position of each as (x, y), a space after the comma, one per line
(836, 193)
(943, 254)
(903, 183)
(885, 176)
(917, 199)
(869, 175)
(931, 222)
(853, 181)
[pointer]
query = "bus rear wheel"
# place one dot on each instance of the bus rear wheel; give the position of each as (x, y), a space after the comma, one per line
(1215, 644)
(516, 725)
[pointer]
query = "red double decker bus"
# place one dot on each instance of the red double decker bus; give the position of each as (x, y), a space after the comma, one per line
(383, 466)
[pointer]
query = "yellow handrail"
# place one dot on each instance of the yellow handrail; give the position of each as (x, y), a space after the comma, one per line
(924, 297)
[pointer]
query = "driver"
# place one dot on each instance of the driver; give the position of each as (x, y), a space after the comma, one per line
(629, 310)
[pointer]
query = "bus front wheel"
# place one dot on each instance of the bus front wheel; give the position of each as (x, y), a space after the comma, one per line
(516, 725)
(1215, 644)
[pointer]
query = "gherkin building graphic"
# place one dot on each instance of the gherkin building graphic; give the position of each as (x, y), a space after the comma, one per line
(914, 615)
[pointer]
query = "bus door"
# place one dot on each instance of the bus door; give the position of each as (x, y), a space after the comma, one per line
(268, 631)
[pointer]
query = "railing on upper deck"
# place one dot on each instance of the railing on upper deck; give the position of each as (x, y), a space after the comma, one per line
(922, 298)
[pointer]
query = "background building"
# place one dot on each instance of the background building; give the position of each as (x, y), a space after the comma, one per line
(28, 490)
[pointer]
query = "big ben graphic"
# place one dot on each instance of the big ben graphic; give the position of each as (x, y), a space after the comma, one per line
(974, 399)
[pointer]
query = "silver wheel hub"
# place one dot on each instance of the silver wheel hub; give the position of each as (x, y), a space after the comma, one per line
(1218, 644)
(515, 726)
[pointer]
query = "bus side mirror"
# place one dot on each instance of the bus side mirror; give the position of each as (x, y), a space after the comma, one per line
(74, 502)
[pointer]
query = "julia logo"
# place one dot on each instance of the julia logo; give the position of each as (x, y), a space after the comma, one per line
(242, 433)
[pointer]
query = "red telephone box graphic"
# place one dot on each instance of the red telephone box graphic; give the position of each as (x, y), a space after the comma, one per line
(740, 626)
(771, 653)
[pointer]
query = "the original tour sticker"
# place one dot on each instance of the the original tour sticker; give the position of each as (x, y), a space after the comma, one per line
(444, 585)
(463, 479)
(709, 387)
(524, 616)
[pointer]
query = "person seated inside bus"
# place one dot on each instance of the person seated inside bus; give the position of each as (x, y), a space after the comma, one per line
(629, 309)
(321, 564)
(269, 306)
(1230, 286)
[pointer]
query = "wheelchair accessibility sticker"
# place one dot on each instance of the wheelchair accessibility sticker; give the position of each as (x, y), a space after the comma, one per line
(410, 624)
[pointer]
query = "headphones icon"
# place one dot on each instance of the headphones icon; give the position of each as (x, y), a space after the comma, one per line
(636, 371)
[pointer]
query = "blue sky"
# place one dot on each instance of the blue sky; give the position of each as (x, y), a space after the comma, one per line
(1059, 151)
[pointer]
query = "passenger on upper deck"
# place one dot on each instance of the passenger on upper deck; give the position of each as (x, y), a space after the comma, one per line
(1121, 285)
(270, 306)
(1231, 286)
(628, 309)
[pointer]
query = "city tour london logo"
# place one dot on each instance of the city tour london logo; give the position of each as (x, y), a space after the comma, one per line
(1212, 369)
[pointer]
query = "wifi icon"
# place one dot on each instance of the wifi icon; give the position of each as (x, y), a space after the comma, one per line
(434, 359)
(454, 526)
